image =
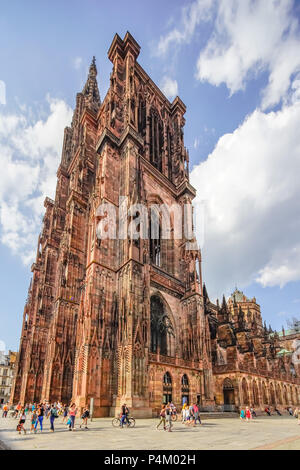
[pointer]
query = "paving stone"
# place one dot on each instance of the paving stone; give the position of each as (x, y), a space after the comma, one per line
(262, 433)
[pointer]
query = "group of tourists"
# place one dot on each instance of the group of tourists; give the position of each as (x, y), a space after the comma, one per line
(190, 415)
(37, 412)
(250, 413)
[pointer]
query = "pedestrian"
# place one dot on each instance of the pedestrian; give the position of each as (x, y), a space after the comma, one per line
(162, 416)
(85, 416)
(169, 418)
(196, 414)
(277, 411)
(34, 418)
(22, 420)
(5, 411)
(124, 415)
(18, 409)
(268, 411)
(53, 415)
(72, 415)
(242, 415)
(248, 414)
(187, 415)
(183, 413)
(47, 410)
(65, 413)
(40, 415)
(253, 412)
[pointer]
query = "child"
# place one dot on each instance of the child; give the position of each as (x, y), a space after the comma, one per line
(242, 415)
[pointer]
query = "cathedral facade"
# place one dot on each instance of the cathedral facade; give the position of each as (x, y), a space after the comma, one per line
(127, 319)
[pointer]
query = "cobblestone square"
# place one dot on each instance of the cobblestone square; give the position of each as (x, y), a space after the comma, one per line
(280, 433)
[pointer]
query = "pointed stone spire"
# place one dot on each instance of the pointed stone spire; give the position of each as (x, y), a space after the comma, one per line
(91, 90)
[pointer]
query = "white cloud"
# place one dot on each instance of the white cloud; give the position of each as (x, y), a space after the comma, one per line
(2, 92)
(77, 63)
(169, 87)
(192, 16)
(29, 152)
(2, 346)
(249, 37)
(250, 183)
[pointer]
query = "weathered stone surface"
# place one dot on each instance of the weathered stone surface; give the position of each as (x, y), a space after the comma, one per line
(121, 320)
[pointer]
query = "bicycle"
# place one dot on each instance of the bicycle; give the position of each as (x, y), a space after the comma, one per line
(116, 422)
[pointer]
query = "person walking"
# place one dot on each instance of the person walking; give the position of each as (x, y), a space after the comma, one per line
(34, 418)
(85, 416)
(53, 415)
(65, 413)
(162, 416)
(253, 412)
(268, 411)
(242, 415)
(183, 413)
(40, 415)
(277, 411)
(192, 417)
(124, 415)
(5, 411)
(196, 414)
(248, 414)
(18, 409)
(22, 420)
(187, 415)
(47, 409)
(72, 415)
(169, 418)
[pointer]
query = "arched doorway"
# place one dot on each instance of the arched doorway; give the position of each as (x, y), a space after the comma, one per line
(245, 394)
(185, 390)
(228, 394)
(167, 388)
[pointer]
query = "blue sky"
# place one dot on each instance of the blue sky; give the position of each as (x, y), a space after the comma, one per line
(236, 65)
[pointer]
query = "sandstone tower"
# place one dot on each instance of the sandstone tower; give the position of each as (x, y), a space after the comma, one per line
(117, 320)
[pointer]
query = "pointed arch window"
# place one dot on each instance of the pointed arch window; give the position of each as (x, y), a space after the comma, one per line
(142, 117)
(167, 388)
(156, 139)
(155, 246)
(162, 330)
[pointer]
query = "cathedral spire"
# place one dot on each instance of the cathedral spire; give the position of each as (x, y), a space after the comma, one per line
(90, 90)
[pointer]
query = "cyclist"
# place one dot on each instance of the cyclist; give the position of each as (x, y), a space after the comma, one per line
(124, 415)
